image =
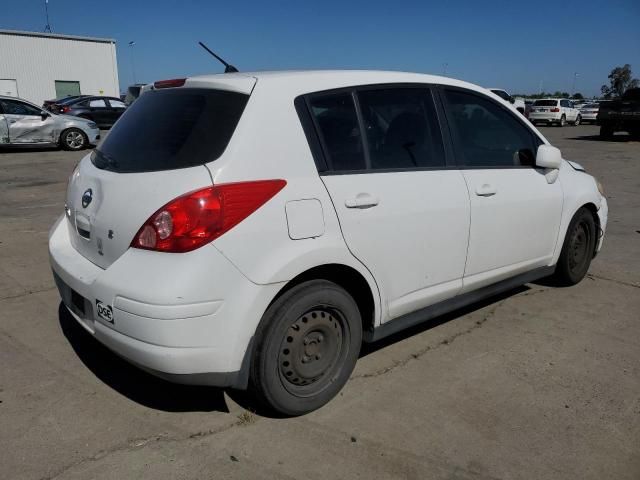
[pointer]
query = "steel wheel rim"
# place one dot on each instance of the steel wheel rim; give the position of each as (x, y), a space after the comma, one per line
(311, 349)
(562, 121)
(579, 246)
(74, 139)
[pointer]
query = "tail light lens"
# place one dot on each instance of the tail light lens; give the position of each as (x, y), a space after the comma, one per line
(65, 109)
(197, 218)
(555, 110)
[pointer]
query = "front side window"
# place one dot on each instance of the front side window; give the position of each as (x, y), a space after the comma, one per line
(488, 135)
(337, 122)
(401, 128)
(12, 107)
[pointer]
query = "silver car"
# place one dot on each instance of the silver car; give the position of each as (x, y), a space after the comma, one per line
(22, 123)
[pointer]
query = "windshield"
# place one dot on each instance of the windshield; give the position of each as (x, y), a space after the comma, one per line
(169, 129)
(545, 103)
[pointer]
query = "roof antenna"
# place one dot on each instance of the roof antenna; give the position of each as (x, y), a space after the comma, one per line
(227, 67)
(47, 28)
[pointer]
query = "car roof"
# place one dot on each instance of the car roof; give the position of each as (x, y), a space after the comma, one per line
(298, 82)
(7, 97)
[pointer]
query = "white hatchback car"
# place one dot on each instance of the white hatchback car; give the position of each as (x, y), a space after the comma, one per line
(263, 225)
(557, 111)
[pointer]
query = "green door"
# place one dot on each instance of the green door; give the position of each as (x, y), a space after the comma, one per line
(66, 88)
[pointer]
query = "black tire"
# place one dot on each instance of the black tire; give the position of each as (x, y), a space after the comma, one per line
(606, 132)
(563, 121)
(578, 249)
(577, 121)
(73, 139)
(307, 345)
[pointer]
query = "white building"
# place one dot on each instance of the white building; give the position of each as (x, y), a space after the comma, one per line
(42, 66)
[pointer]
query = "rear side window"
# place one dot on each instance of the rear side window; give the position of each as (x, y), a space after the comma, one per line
(337, 122)
(402, 128)
(488, 135)
(170, 129)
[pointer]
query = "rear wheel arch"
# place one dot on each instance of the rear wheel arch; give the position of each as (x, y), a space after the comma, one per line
(346, 277)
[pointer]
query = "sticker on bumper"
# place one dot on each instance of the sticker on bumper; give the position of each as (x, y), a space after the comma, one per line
(104, 311)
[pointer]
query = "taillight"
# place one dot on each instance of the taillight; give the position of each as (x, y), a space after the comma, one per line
(174, 82)
(197, 218)
(65, 109)
(555, 110)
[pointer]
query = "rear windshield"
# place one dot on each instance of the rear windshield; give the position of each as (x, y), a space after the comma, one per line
(591, 105)
(170, 129)
(545, 103)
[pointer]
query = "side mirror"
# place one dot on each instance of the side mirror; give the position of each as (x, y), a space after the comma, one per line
(511, 99)
(44, 115)
(548, 157)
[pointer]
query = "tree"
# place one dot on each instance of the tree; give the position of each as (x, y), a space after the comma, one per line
(578, 96)
(620, 80)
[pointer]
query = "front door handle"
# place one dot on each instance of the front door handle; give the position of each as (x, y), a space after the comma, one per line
(486, 190)
(361, 200)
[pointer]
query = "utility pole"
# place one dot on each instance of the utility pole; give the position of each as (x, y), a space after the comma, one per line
(47, 27)
(133, 67)
(573, 85)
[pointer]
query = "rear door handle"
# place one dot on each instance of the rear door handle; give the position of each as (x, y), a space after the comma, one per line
(361, 200)
(486, 190)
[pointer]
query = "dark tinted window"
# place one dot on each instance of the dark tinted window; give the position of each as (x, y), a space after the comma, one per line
(336, 118)
(12, 107)
(545, 103)
(402, 128)
(169, 129)
(489, 135)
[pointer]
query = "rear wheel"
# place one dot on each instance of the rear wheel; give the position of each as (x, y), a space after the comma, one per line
(308, 342)
(577, 249)
(73, 139)
(577, 121)
(606, 132)
(563, 121)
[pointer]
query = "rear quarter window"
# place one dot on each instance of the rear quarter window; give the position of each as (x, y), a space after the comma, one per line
(171, 129)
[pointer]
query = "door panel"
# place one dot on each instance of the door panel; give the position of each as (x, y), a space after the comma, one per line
(403, 214)
(413, 238)
(515, 211)
(514, 229)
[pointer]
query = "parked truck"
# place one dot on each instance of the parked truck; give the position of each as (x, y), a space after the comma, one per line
(621, 115)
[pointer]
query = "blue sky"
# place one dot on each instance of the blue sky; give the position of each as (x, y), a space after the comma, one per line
(511, 44)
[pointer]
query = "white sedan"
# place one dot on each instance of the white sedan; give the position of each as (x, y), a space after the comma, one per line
(589, 112)
(23, 124)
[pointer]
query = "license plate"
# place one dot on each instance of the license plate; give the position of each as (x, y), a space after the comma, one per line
(104, 311)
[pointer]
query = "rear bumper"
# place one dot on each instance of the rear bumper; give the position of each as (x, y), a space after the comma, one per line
(545, 117)
(194, 324)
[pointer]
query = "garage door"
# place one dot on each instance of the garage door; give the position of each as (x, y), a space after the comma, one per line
(8, 87)
(66, 88)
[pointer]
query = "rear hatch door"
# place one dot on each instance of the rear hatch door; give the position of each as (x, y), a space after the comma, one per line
(155, 153)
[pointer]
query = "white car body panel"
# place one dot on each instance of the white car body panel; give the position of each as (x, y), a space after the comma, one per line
(192, 316)
(513, 229)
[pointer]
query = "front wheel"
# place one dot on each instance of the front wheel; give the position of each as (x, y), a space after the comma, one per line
(578, 248)
(606, 132)
(73, 139)
(307, 345)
